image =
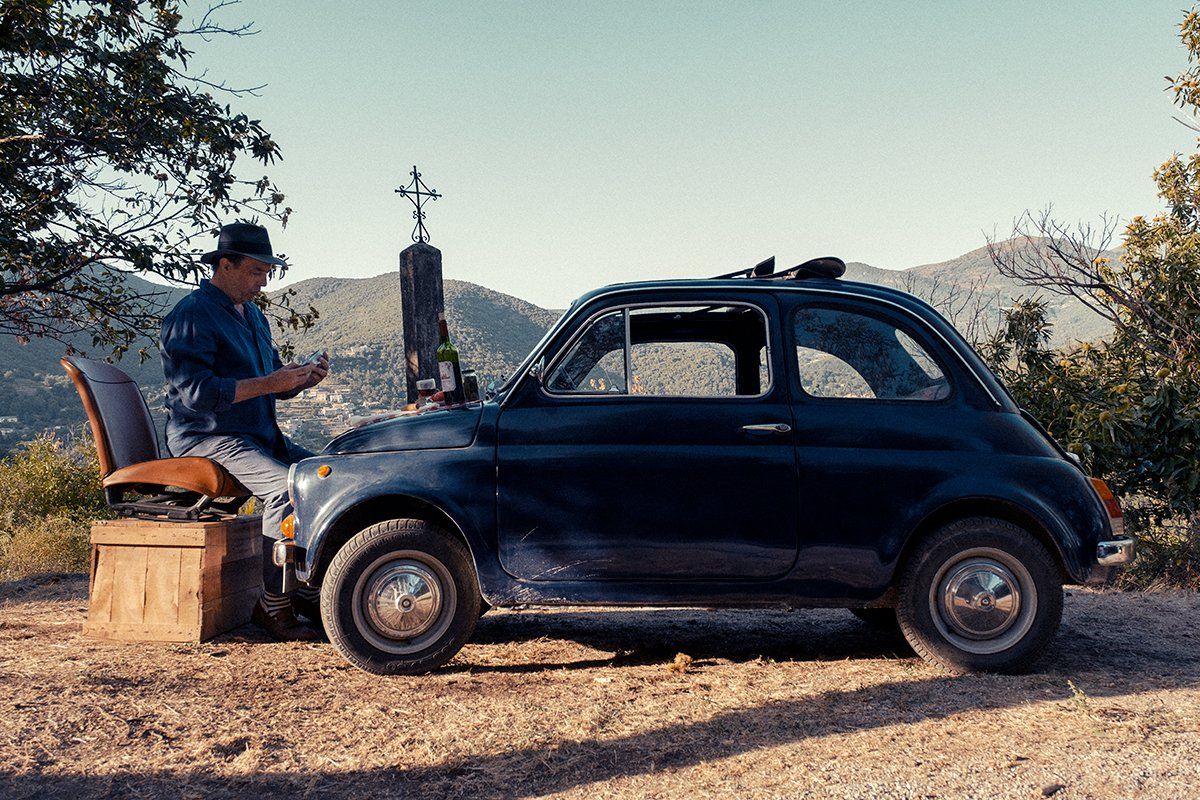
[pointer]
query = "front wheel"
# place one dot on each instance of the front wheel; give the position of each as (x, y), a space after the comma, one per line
(980, 595)
(400, 598)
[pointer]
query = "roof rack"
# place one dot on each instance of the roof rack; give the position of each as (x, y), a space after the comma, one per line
(823, 267)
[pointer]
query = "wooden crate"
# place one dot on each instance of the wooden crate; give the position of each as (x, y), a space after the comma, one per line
(173, 581)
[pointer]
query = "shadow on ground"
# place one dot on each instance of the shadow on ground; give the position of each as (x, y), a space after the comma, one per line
(47, 586)
(569, 764)
(639, 637)
(1114, 659)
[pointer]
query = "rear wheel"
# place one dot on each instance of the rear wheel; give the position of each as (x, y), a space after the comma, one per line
(400, 598)
(980, 595)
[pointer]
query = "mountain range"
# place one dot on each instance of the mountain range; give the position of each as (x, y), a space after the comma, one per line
(360, 323)
(971, 281)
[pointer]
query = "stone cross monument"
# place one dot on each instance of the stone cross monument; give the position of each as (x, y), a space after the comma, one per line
(421, 298)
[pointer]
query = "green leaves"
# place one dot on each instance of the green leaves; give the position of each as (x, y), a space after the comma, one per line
(1132, 416)
(113, 160)
(1130, 406)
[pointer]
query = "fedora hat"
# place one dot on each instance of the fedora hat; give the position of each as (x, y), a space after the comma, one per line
(244, 239)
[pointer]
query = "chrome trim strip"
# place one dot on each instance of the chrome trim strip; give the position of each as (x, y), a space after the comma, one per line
(573, 312)
(628, 353)
(1116, 552)
(291, 482)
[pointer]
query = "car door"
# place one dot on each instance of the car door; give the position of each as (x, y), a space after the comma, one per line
(882, 409)
(655, 446)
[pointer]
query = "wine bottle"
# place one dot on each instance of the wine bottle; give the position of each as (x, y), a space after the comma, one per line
(448, 368)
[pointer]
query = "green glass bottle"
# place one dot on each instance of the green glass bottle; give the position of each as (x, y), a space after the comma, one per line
(448, 368)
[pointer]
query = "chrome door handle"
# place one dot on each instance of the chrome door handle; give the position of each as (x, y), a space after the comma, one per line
(768, 427)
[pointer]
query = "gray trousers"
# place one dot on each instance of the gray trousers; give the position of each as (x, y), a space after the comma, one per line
(263, 472)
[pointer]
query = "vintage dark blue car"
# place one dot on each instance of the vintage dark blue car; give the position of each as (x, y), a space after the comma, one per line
(753, 440)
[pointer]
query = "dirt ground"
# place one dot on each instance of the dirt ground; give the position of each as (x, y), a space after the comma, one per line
(568, 703)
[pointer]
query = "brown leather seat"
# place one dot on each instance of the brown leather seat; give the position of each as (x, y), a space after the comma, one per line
(127, 446)
(200, 475)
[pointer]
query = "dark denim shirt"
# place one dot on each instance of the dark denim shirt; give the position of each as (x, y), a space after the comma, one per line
(207, 347)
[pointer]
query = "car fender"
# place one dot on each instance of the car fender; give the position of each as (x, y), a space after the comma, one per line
(453, 486)
(1049, 496)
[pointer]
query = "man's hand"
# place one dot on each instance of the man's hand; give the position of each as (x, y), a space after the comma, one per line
(284, 380)
(320, 368)
(290, 378)
(287, 380)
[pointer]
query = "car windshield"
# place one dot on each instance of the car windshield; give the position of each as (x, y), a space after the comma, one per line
(537, 348)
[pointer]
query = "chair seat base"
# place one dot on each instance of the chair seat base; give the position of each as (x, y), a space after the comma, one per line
(127, 448)
(182, 506)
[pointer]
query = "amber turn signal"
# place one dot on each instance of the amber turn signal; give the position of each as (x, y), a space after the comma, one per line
(324, 470)
(288, 526)
(1111, 506)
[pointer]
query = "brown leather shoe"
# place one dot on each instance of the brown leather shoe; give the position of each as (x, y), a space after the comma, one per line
(282, 625)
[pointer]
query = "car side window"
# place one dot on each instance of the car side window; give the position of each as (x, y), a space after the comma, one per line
(668, 351)
(850, 354)
(683, 369)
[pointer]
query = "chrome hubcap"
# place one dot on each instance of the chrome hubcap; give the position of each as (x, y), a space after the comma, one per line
(403, 600)
(983, 600)
(980, 599)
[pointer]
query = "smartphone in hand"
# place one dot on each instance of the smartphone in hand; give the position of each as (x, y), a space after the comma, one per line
(311, 358)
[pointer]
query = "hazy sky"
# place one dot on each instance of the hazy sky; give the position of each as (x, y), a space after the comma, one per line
(579, 144)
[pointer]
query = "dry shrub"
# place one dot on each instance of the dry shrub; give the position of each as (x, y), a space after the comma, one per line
(51, 493)
(1168, 556)
(50, 476)
(681, 664)
(46, 544)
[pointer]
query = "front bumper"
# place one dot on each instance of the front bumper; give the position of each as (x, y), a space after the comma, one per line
(285, 553)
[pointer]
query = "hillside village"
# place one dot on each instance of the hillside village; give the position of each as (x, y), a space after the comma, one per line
(321, 413)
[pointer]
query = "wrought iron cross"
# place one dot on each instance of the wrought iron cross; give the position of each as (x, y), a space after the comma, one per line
(418, 192)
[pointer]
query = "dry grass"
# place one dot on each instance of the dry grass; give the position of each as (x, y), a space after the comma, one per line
(44, 544)
(619, 703)
(1168, 556)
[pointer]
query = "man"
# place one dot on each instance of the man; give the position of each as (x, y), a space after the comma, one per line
(223, 378)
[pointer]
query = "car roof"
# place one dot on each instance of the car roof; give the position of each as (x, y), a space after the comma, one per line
(800, 285)
(772, 285)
